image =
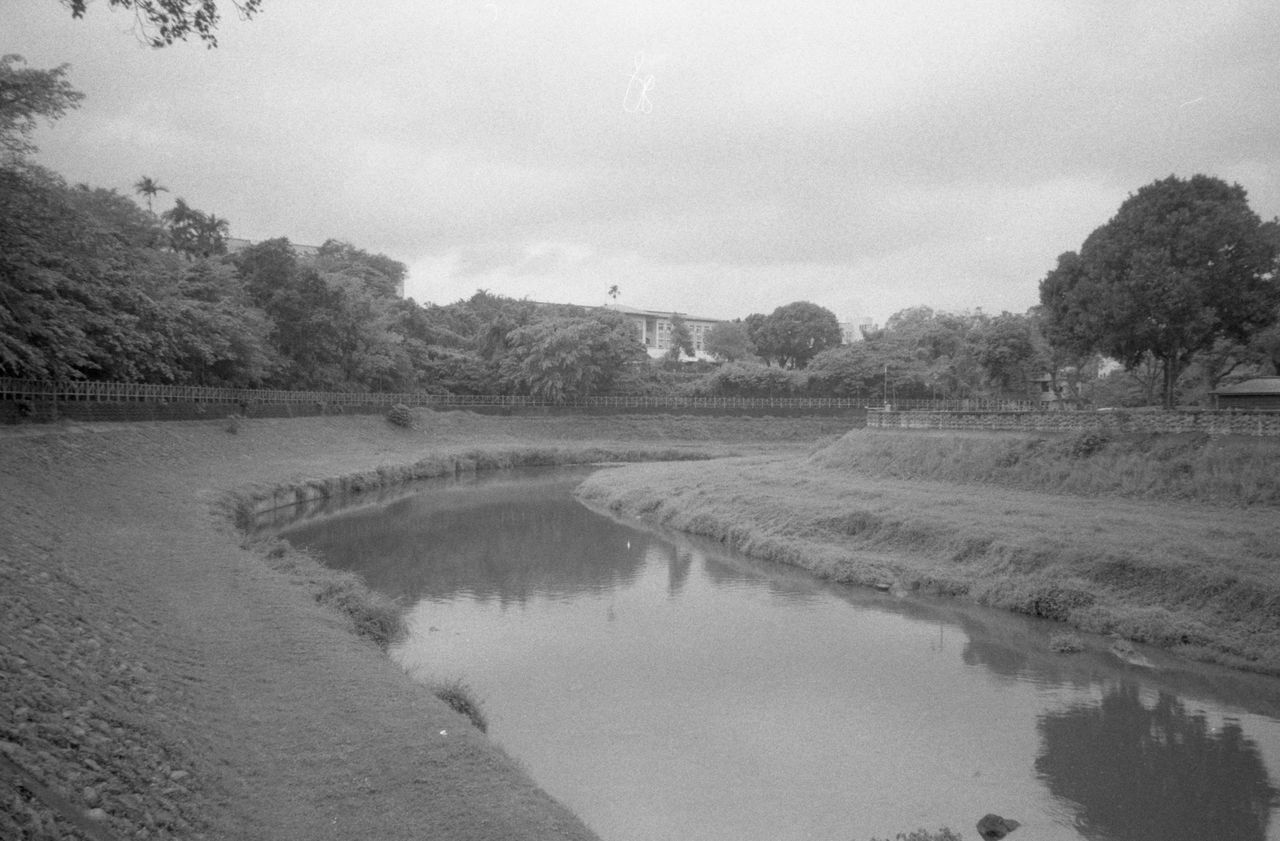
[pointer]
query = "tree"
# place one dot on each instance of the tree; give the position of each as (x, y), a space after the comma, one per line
(728, 340)
(563, 357)
(149, 187)
(161, 22)
(25, 96)
(614, 292)
(194, 233)
(681, 340)
(1181, 264)
(795, 333)
(1007, 349)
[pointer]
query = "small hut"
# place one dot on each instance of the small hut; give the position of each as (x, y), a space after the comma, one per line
(1260, 394)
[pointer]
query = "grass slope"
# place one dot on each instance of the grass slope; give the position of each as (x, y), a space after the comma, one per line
(159, 679)
(1102, 535)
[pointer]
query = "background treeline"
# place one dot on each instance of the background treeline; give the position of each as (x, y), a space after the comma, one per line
(94, 286)
(1174, 296)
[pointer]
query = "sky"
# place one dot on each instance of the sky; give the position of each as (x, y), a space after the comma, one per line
(712, 158)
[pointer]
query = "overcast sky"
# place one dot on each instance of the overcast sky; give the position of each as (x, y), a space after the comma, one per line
(713, 158)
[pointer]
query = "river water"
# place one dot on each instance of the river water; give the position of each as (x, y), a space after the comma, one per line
(664, 688)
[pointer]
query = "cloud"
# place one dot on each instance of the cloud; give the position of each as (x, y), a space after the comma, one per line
(870, 154)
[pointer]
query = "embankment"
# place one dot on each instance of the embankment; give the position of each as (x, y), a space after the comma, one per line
(1169, 540)
(158, 679)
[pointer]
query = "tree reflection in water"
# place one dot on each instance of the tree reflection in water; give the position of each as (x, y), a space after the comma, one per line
(1160, 773)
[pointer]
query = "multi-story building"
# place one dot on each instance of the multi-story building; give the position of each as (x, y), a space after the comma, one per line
(653, 328)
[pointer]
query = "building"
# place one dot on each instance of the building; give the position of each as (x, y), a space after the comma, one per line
(654, 330)
(1257, 394)
(855, 329)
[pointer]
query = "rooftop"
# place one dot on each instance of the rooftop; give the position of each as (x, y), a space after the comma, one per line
(1257, 385)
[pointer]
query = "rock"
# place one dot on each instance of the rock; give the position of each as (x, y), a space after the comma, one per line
(993, 827)
(91, 796)
(97, 815)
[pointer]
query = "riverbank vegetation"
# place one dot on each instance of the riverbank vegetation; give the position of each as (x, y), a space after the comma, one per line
(1103, 546)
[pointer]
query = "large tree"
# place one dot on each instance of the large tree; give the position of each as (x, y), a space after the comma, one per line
(795, 333)
(562, 357)
(728, 340)
(161, 22)
(1181, 264)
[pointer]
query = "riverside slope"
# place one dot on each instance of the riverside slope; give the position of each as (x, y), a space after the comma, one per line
(1132, 549)
(159, 680)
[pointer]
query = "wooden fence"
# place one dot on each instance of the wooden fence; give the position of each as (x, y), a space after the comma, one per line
(42, 392)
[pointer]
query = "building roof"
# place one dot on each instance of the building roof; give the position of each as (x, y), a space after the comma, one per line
(1257, 385)
(657, 313)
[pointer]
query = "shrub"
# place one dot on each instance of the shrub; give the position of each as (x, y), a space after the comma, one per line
(462, 699)
(400, 415)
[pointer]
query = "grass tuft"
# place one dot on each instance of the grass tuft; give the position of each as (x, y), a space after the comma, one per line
(1067, 642)
(462, 699)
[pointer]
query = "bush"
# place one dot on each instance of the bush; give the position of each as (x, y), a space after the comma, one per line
(462, 699)
(400, 415)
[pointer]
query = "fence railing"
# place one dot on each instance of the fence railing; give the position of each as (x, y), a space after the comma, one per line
(115, 392)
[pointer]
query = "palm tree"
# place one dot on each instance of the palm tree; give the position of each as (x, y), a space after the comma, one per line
(614, 292)
(147, 186)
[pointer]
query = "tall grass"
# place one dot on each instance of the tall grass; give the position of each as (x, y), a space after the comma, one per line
(1230, 470)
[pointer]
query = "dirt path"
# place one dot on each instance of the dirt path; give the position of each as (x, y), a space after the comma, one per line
(160, 679)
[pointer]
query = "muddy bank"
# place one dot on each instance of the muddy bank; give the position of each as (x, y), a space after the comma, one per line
(157, 679)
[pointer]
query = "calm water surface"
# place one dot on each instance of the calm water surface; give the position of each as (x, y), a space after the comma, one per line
(666, 689)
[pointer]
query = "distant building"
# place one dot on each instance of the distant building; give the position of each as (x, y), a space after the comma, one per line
(1257, 394)
(653, 328)
(852, 331)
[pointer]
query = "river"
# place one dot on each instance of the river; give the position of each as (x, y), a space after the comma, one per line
(665, 688)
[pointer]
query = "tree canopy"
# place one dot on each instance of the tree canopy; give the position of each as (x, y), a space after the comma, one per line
(161, 22)
(794, 333)
(1181, 264)
(26, 95)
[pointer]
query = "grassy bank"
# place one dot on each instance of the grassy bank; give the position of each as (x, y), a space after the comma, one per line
(1104, 535)
(159, 679)
(1230, 470)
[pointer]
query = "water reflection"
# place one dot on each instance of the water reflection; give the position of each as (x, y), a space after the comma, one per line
(751, 701)
(507, 538)
(1142, 772)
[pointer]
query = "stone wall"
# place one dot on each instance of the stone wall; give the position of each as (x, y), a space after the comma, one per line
(1214, 423)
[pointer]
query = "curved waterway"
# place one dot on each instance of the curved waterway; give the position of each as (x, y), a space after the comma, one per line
(664, 688)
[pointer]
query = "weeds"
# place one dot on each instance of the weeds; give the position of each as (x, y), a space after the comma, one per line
(373, 615)
(462, 699)
(1066, 643)
(943, 834)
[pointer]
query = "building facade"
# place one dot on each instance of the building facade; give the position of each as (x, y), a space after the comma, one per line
(653, 328)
